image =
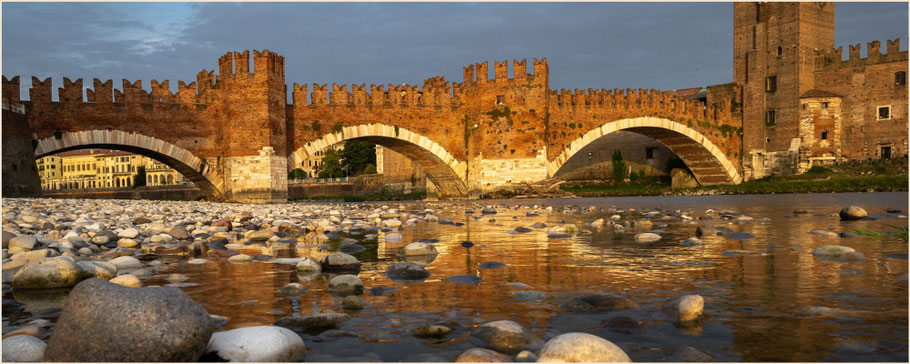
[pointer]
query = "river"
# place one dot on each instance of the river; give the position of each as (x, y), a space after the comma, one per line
(777, 302)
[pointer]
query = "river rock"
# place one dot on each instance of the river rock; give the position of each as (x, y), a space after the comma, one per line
(21, 243)
(346, 283)
(179, 232)
(293, 289)
(577, 347)
(393, 237)
(529, 295)
(255, 344)
(415, 249)
(684, 308)
(832, 251)
(646, 237)
(601, 302)
(690, 354)
(128, 233)
(431, 331)
(406, 271)
(309, 265)
(852, 212)
(853, 257)
(317, 321)
(23, 348)
(240, 258)
(504, 336)
(340, 262)
(488, 210)
(106, 322)
(126, 263)
(92, 270)
(479, 355)
(353, 303)
(468, 279)
(127, 280)
(47, 273)
(197, 261)
(32, 254)
(692, 242)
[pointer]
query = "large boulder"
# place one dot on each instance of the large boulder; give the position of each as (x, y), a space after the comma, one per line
(684, 308)
(577, 347)
(256, 344)
(504, 336)
(340, 262)
(21, 243)
(102, 321)
(23, 348)
(48, 273)
(851, 213)
(309, 265)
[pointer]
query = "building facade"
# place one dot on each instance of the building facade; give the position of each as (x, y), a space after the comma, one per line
(803, 104)
(100, 168)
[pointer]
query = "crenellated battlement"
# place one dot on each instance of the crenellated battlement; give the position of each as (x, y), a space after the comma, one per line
(479, 72)
(830, 59)
(652, 101)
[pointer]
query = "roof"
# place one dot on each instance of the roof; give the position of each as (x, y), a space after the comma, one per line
(818, 93)
(685, 93)
(95, 152)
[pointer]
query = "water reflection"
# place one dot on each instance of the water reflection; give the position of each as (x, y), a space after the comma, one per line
(774, 302)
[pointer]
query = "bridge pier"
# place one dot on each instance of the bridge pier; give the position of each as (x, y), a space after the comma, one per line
(256, 179)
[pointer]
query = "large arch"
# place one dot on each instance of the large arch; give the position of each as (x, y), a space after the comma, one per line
(708, 164)
(442, 168)
(195, 169)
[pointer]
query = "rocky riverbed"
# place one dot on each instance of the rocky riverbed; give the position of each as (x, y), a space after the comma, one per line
(117, 280)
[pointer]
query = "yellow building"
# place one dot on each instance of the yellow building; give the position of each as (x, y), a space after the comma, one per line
(101, 168)
(313, 164)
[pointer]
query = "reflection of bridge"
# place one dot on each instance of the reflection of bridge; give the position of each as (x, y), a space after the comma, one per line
(236, 136)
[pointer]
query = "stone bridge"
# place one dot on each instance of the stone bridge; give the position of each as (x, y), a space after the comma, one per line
(236, 135)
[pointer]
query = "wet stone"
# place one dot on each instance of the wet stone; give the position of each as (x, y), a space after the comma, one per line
(468, 279)
(491, 265)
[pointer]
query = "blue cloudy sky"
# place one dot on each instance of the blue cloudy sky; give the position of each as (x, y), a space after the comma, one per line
(597, 45)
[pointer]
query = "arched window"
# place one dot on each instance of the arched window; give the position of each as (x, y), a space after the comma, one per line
(117, 182)
(170, 179)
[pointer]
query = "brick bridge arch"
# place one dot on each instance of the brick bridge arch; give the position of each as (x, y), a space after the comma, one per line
(708, 163)
(441, 167)
(195, 169)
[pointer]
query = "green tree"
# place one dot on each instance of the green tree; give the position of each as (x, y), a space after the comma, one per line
(370, 169)
(331, 165)
(139, 177)
(357, 155)
(619, 167)
(296, 173)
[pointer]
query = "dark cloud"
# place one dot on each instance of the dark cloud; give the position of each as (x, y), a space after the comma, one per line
(587, 45)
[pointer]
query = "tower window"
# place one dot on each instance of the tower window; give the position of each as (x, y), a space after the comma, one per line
(824, 135)
(884, 113)
(770, 117)
(780, 51)
(500, 99)
(649, 153)
(771, 83)
(900, 78)
(824, 105)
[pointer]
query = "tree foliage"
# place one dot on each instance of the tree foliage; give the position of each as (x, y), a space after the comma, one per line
(139, 177)
(331, 165)
(297, 173)
(619, 167)
(357, 155)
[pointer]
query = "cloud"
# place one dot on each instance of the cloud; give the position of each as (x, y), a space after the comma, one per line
(587, 45)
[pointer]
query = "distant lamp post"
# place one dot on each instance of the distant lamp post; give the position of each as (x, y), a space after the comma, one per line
(589, 157)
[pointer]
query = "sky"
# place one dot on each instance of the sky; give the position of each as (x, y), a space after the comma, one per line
(663, 46)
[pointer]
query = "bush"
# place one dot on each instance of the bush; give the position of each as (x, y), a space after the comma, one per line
(818, 170)
(297, 173)
(370, 169)
(619, 167)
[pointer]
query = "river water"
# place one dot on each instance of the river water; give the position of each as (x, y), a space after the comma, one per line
(776, 303)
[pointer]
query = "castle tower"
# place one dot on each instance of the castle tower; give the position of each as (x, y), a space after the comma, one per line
(254, 133)
(774, 50)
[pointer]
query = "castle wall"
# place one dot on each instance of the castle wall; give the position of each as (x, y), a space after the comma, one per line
(866, 84)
